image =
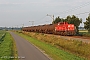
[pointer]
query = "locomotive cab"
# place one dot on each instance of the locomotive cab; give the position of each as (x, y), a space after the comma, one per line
(62, 23)
(63, 28)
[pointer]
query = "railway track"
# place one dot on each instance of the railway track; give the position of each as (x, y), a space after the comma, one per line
(79, 38)
(83, 37)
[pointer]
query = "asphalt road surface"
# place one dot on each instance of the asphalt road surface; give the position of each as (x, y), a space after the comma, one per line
(27, 51)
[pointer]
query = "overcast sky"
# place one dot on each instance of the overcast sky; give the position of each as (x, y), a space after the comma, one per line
(14, 13)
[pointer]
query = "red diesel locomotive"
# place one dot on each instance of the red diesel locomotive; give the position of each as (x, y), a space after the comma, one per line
(61, 28)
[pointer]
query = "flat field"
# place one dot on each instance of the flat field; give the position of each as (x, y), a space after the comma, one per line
(84, 33)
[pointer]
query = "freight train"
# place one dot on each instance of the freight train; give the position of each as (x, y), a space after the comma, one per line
(61, 28)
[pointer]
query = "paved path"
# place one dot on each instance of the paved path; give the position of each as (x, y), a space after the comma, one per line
(27, 51)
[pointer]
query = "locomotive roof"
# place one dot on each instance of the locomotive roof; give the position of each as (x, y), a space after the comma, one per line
(63, 22)
(45, 24)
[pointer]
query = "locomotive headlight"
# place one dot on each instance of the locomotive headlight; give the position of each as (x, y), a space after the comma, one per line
(68, 25)
(58, 24)
(72, 25)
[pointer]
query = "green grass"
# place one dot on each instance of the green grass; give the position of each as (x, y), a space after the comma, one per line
(52, 51)
(6, 48)
(2, 35)
(2, 32)
(74, 46)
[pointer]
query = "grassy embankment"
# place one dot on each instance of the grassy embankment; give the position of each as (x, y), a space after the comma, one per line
(2, 34)
(8, 48)
(55, 47)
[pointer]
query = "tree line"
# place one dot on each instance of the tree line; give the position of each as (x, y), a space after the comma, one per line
(74, 20)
